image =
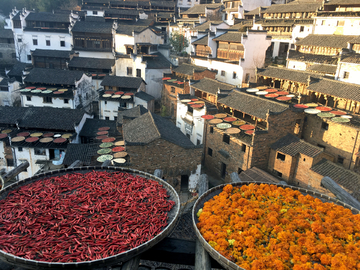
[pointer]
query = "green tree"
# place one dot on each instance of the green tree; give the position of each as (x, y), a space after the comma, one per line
(178, 42)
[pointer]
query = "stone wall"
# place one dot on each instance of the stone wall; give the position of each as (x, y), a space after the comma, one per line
(169, 98)
(161, 154)
(338, 140)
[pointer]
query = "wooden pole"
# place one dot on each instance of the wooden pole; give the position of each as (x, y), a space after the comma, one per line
(339, 192)
(14, 172)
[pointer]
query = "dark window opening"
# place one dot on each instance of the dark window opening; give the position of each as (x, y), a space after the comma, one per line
(223, 73)
(95, 12)
(66, 100)
(47, 100)
(29, 57)
(340, 160)
(234, 75)
(40, 152)
(198, 142)
(321, 146)
(107, 118)
(243, 148)
(35, 42)
(28, 98)
(210, 151)
(20, 149)
(223, 170)
(10, 162)
(47, 42)
(138, 72)
(226, 138)
(277, 173)
(172, 89)
(346, 75)
(211, 129)
(280, 156)
(325, 125)
(302, 28)
(129, 70)
(62, 43)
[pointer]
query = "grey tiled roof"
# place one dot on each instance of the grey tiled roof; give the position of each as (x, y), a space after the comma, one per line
(82, 152)
(286, 74)
(53, 76)
(122, 81)
(51, 53)
(188, 69)
(292, 145)
(324, 69)
(200, 9)
(230, 36)
(312, 58)
(342, 2)
(336, 88)
(251, 104)
(355, 40)
(156, 61)
(255, 11)
(93, 27)
(127, 27)
(131, 113)
(48, 17)
(201, 41)
(292, 7)
(334, 41)
(91, 127)
(343, 177)
(206, 25)
(41, 117)
(150, 127)
(6, 33)
(144, 96)
(211, 86)
(351, 58)
(87, 62)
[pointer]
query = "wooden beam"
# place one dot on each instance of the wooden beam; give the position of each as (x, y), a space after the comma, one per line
(14, 172)
(76, 163)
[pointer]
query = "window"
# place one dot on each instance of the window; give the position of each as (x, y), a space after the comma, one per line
(29, 57)
(325, 125)
(234, 75)
(4, 88)
(172, 89)
(28, 98)
(20, 149)
(66, 100)
(280, 156)
(346, 75)
(47, 42)
(323, 22)
(62, 43)
(17, 24)
(226, 138)
(95, 12)
(210, 151)
(40, 151)
(198, 141)
(223, 73)
(302, 28)
(107, 118)
(243, 148)
(138, 72)
(340, 160)
(129, 70)
(47, 100)
(211, 129)
(19, 39)
(10, 162)
(115, 118)
(35, 42)
(340, 23)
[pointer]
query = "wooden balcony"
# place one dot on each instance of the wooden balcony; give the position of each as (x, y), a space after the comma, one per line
(230, 54)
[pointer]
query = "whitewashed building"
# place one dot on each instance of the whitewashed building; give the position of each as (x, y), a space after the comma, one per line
(40, 30)
(38, 135)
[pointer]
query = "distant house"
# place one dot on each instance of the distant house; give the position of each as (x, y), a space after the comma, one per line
(38, 135)
(57, 88)
(118, 92)
(51, 58)
(154, 142)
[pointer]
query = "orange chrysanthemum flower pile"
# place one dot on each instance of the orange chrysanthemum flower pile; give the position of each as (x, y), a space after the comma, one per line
(269, 227)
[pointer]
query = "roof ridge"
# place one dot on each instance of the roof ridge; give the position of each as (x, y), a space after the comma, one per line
(153, 121)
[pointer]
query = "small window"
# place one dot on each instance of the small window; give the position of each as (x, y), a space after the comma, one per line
(223, 73)
(95, 12)
(325, 125)
(280, 156)
(115, 118)
(62, 43)
(29, 57)
(340, 160)
(66, 100)
(243, 148)
(19, 39)
(340, 23)
(129, 70)
(47, 42)
(302, 28)
(226, 138)
(211, 129)
(210, 151)
(35, 42)
(10, 162)
(323, 22)
(172, 89)
(47, 99)
(40, 151)
(198, 142)
(105, 102)
(234, 75)
(20, 149)
(346, 75)
(28, 98)
(107, 118)
(138, 72)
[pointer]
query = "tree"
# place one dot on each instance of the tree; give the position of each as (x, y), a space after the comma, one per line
(178, 42)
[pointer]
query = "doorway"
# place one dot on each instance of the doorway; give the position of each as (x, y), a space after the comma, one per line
(223, 170)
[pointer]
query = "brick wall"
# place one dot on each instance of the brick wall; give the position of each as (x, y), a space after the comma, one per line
(237, 157)
(204, 74)
(286, 167)
(161, 154)
(338, 139)
(169, 98)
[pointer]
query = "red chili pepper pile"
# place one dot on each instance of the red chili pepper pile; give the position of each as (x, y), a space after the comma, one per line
(82, 217)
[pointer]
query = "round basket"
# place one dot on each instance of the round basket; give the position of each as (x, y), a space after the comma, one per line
(224, 262)
(111, 260)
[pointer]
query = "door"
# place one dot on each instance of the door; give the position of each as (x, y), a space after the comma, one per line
(223, 170)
